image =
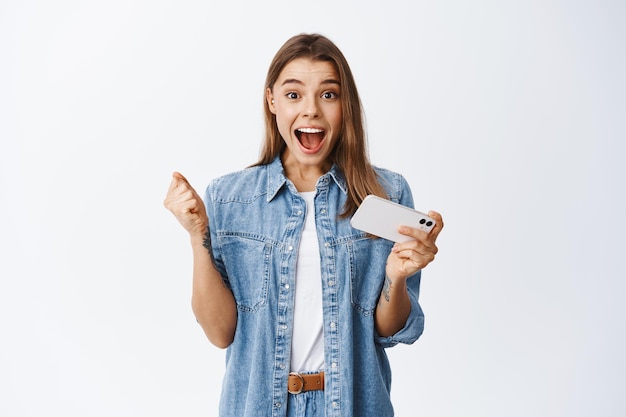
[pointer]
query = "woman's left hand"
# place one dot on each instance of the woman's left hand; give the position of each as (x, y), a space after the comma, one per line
(407, 258)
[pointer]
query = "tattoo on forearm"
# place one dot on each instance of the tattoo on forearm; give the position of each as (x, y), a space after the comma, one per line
(386, 288)
(206, 242)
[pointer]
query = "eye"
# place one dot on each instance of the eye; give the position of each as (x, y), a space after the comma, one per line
(330, 95)
(292, 95)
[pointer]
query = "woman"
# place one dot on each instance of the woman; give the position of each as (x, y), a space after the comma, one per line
(304, 303)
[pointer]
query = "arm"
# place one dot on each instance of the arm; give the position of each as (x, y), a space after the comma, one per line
(405, 259)
(212, 302)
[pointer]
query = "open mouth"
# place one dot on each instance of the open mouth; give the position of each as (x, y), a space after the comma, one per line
(310, 138)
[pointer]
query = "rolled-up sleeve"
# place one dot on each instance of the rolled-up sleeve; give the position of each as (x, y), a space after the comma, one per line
(414, 326)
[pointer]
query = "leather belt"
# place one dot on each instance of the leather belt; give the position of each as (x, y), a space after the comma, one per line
(305, 382)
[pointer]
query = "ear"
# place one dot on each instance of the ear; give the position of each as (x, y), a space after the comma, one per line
(270, 100)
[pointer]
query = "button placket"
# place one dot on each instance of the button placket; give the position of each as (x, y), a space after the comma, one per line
(324, 227)
(285, 303)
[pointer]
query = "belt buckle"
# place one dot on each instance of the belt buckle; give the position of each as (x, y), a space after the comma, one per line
(298, 390)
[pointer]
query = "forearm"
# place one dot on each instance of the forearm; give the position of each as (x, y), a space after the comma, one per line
(212, 301)
(394, 307)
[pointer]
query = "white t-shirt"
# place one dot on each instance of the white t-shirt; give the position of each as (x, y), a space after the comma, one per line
(307, 345)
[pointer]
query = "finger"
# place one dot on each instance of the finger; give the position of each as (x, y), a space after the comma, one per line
(180, 177)
(180, 184)
(178, 193)
(184, 197)
(438, 221)
(420, 259)
(177, 180)
(415, 248)
(423, 245)
(182, 181)
(413, 232)
(421, 235)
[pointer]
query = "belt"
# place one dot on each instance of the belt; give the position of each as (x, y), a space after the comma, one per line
(305, 382)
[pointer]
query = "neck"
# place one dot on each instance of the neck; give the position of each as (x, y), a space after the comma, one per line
(304, 177)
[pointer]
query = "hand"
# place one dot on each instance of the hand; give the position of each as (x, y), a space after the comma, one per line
(407, 258)
(183, 201)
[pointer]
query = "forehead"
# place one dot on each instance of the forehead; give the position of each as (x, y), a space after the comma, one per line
(306, 69)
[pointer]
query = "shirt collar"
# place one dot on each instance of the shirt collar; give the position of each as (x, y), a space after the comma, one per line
(276, 178)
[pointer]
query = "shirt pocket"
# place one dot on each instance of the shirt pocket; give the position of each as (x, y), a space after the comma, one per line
(368, 257)
(246, 259)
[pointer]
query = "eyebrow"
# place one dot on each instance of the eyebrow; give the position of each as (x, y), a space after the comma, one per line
(296, 81)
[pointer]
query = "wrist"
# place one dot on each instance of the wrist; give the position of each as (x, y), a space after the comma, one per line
(394, 277)
(200, 237)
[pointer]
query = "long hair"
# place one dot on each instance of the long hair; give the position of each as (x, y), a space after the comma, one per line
(350, 153)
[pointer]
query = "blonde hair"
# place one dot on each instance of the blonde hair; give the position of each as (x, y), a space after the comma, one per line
(350, 152)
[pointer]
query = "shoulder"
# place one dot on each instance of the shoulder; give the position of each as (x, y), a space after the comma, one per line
(394, 183)
(248, 183)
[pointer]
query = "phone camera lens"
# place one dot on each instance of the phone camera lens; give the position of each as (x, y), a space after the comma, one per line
(422, 221)
(429, 223)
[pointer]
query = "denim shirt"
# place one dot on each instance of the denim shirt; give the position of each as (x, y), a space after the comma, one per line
(256, 219)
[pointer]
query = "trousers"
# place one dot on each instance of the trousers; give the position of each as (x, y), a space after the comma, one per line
(306, 404)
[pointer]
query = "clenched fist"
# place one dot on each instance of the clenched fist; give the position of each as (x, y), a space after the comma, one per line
(183, 201)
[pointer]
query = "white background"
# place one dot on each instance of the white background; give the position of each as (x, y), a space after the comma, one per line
(506, 116)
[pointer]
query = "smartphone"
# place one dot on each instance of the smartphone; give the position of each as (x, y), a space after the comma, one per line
(382, 218)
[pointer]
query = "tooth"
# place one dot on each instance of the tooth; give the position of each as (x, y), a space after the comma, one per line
(310, 130)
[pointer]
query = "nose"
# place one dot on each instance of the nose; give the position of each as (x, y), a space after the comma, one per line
(311, 107)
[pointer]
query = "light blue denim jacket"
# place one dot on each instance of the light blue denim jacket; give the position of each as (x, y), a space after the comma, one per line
(256, 218)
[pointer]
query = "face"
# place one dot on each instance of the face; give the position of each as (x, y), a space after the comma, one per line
(305, 99)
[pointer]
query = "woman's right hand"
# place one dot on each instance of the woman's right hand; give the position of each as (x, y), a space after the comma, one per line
(186, 205)
(212, 301)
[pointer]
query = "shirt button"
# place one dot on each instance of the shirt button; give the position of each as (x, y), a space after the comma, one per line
(284, 327)
(334, 365)
(331, 283)
(299, 212)
(282, 366)
(323, 211)
(277, 405)
(332, 325)
(290, 248)
(335, 404)
(286, 286)
(327, 244)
